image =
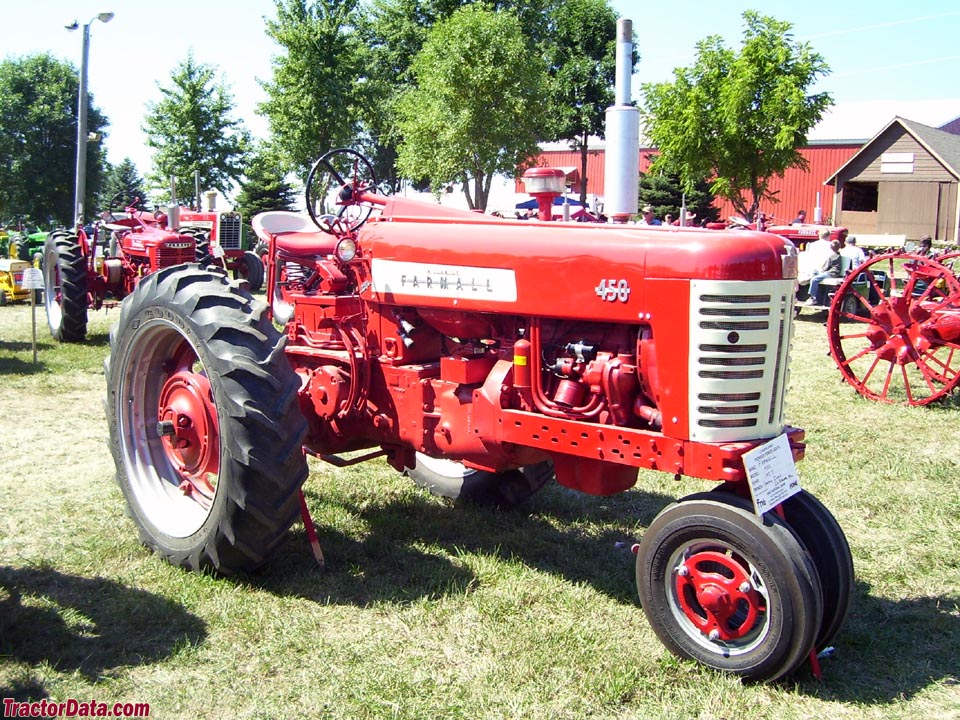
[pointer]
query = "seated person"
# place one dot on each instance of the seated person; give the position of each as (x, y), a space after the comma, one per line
(831, 268)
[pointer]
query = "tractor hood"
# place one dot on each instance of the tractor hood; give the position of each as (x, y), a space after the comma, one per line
(547, 268)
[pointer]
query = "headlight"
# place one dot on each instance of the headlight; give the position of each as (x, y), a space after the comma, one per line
(346, 250)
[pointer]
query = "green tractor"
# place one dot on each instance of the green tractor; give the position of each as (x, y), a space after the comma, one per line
(27, 246)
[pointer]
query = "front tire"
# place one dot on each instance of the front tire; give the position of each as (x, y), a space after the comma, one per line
(250, 268)
(65, 287)
(728, 589)
(205, 427)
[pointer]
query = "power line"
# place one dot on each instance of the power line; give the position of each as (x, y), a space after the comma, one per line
(875, 26)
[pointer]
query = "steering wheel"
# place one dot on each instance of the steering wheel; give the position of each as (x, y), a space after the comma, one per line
(349, 174)
(119, 203)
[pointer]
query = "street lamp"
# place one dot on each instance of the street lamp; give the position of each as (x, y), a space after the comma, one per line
(80, 183)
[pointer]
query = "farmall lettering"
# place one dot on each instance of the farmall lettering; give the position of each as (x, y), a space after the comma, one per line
(485, 357)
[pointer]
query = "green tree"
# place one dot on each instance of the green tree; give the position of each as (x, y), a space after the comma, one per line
(125, 181)
(739, 117)
(582, 60)
(192, 131)
(311, 101)
(38, 140)
(264, 188)
(477, 107)
(392, 33)
(665, 193)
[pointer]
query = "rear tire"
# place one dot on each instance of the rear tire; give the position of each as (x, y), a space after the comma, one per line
(65, 287)
(454, 480)
(214, 483)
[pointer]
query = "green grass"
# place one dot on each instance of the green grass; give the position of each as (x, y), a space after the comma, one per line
(430, 610)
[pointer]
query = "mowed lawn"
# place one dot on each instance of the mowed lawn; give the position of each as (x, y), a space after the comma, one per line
(427, 609)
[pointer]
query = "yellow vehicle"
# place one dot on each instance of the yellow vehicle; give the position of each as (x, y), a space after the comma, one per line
(11, 280)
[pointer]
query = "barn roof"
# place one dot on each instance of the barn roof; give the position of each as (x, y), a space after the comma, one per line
(943, 146)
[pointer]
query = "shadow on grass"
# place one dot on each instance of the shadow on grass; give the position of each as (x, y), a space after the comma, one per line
(85, 625)
(580, 538)
(890, 650)
(18, 366)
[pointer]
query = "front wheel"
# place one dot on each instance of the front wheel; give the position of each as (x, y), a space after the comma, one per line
(250, 268)
(454, 480)
(205, 428)
(728, 589)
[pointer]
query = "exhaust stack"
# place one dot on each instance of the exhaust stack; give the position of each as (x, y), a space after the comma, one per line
(622, 167)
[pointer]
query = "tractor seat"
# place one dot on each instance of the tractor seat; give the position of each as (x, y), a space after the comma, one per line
(294, 233)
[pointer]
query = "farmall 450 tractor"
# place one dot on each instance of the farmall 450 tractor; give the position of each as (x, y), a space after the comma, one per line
(476, 353)
(81, 271)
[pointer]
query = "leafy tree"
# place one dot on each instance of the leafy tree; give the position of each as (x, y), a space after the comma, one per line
(392, 33)
(582, 61)
(477, 106)
(38, 140)
(192, 131)
(312, 98)
(123, 180)
(739, 117)
(264, 188)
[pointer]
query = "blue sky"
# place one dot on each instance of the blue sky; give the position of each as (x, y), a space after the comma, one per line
(879, 51)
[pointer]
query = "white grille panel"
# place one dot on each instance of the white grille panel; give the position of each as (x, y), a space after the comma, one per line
(739, 351)
(230, 231)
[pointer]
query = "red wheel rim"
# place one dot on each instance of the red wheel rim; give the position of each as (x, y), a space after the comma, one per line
(715, 593)
(187, 421)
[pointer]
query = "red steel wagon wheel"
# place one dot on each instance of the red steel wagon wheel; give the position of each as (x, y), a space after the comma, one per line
(901, 346)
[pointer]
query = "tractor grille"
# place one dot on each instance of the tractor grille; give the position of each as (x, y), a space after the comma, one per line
(229, 231)
(739, 351)
(167, 256)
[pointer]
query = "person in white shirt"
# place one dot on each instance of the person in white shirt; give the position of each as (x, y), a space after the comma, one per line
(850, 250)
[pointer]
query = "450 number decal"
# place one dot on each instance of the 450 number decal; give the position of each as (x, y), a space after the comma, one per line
(612, 290)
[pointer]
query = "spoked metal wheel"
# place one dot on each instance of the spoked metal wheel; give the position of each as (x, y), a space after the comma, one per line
(204, 424)
(904, 349)
(728, 589)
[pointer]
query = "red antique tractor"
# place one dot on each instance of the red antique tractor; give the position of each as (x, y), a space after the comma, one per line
(219, 242)
(900, 341)
(81, 271)
(483, 357)
(799, 234)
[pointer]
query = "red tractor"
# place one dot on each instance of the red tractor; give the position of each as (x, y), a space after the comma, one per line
(799, 233)
(83, 271)
(219, 241)
(484, 357)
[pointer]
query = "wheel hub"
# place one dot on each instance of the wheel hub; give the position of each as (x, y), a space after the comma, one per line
(187, 424)
(716, 595)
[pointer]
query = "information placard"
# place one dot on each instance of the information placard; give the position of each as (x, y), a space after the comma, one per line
(772, 474)
(33, 279)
